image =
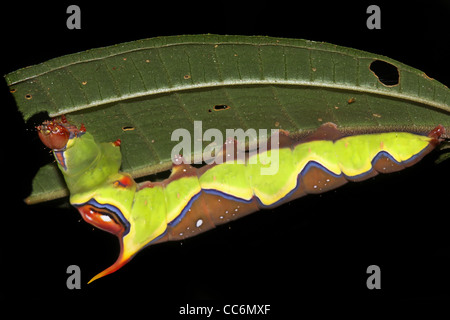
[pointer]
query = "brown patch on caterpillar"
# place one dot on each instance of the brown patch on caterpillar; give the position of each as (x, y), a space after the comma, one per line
(437, 134)
(229, 152)
(314, 181)
(207, 212)
(385, 165)
(284, 141)
(317, 181)
(196, 220)
(224, 210)
(179, 171)
(327, 131)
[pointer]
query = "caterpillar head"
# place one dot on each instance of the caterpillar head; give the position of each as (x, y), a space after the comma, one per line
(55, 134)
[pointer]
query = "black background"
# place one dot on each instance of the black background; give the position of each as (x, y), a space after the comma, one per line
(314, 249)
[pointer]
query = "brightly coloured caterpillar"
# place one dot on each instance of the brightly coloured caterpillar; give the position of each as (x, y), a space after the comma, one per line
(194, 200)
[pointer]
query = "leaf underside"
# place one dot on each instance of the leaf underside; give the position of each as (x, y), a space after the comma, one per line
(141, 91)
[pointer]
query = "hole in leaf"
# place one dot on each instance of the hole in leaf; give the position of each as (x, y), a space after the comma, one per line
(386, 73)
(220, 107)
(127, 128)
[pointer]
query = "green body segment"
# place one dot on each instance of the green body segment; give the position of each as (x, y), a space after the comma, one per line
(194, 200)
(149, 214)
(88, 164)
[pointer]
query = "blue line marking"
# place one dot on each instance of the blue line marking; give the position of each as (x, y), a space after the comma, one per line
(177, 220)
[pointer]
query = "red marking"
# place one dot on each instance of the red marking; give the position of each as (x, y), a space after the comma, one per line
(117, 142)
(125, 182)
(101, 218)
(436, 133)
(351, 100)
(82, 128)
(60, 157)
(53, 134)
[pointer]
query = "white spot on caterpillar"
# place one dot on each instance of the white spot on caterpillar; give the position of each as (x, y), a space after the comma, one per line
(221, 217)
(199, 223)
(181, 234)
(235, 209)
(105, 218)
(226, 211)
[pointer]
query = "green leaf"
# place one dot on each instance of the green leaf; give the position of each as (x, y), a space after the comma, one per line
(141, 91)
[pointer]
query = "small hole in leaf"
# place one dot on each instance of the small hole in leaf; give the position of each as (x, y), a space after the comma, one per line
(386, 73)
(127, 128)
(220, 107)
(28, 96)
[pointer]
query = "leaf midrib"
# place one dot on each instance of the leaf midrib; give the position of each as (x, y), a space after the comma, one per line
(241, 82)
(254, 82)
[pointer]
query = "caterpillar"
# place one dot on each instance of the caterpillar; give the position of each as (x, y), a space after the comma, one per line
(193, 200)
